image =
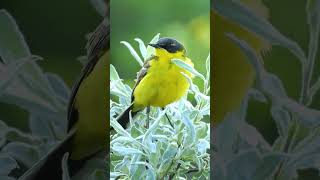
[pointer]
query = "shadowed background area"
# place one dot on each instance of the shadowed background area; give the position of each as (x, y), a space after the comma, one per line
(54, 30)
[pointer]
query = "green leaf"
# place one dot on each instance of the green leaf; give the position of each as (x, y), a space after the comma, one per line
(257, 95)
(121, 139)
(251, 135)
(40, 126)
(65, 169)
(170, 152)
(136, 171)
(202, 130)
(188, 153)
(7, 164)
(202, 146)
(117, 92)
(60, 88)
(133, 52)
(282, 118)
(143, 49)
(307, 116)
(125, 150)
(150, 50)
(153, 126)
(12, 70)
(119, 128)
(191, 135)
(24, 153)
(270, 163)
(208, 67)
(116, 174)
(151, 175)
(113, 73)
(15, 135)
(122, 164)
(252, 57)
(306, 157)
(243, 165)
(187, 67)
(238, 13)
(14, 48)
(12, 42)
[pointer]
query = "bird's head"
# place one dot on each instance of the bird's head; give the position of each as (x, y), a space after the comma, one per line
(169, 46)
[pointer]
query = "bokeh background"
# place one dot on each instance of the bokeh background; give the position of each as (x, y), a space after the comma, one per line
(186, 21)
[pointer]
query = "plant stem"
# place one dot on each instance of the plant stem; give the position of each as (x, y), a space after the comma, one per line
(173, 174)
(304, 85)
(312, 54)
(168, 169)
(307, 74)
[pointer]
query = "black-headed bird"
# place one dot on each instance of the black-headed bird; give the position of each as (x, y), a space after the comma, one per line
(160, 82)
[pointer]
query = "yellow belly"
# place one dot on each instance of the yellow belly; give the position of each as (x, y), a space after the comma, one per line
(163, 85)
(232, 74)
(91, 102)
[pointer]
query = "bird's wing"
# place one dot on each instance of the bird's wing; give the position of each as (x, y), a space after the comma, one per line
(97, 45)
(142, 73)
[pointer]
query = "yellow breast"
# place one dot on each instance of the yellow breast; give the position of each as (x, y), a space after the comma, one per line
(91, 103)
(163, 84)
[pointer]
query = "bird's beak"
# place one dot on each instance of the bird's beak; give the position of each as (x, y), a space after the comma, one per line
(154, 45)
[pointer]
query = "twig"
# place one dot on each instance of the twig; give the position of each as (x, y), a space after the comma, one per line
(173, 174)
(192, 170)
(169, 120)
(168, 169)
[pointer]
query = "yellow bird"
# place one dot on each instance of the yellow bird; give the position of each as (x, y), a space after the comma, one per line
(89, 101)
(232, 74)
(160, 81)
(87, 115)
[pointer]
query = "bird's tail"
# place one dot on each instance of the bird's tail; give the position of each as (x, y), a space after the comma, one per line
(123, 119)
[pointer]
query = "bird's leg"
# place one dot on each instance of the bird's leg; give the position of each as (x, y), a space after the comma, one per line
(168, 119)
(148, 117)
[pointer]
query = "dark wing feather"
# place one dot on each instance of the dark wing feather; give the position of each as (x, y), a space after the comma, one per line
(123, 118)
(142, 73)
(97, 45)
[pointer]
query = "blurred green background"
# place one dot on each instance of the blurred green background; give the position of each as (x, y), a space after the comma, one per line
(186, 21)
